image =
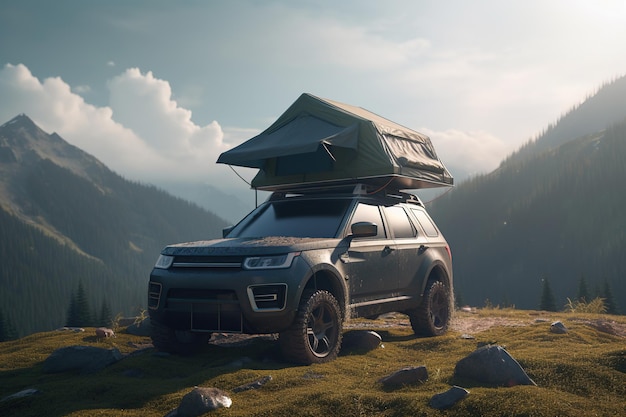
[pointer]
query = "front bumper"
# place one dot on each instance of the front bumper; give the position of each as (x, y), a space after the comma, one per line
(230, 300)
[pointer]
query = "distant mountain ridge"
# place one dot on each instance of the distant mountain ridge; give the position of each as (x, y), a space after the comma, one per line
(23, 146)
(553, 210)
(66, 218)
(599, 111)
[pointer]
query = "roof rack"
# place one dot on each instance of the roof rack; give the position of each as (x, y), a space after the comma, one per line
(348, 189)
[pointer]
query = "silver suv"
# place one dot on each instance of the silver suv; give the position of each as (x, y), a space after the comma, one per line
(301, 264)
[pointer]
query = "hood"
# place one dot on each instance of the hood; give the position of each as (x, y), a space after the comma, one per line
(249, 246)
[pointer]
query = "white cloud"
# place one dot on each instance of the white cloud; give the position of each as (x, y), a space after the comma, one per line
(144, 135)
(476, 152)
(144, 104)
(81, 89)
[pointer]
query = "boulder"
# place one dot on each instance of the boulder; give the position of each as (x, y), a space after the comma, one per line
(139, 328)
(360, 340)
(558, 328)
(447, 399)
(103, 333)
(406, 376)
(84, 359)
(493, 365)
(202, 400)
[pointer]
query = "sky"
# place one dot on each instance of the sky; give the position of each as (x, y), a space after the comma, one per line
(158, 89)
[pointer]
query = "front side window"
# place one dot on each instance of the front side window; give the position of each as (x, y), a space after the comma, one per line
(399, 222)
(369, 213)
(296, 218)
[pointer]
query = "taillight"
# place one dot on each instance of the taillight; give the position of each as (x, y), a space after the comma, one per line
(449, 252)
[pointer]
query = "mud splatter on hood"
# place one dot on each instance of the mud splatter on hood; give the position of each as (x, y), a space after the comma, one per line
(249, 246)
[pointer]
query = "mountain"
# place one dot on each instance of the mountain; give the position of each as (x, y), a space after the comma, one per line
(553, 210)
(230, 206)
(67, 220)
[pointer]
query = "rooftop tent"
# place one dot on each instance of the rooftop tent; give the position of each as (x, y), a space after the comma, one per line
(322, 142)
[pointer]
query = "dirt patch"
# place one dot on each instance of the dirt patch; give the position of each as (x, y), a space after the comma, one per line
(471, 324)
(464, 323)
(475, 324)
(604, 325)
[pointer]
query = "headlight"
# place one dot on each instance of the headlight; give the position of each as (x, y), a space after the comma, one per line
(164, 262)
(270, 262)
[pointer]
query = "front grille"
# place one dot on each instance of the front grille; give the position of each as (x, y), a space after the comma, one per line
(216, 262)
(199, 294)
(205, 310)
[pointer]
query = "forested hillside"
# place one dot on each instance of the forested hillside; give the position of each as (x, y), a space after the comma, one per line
(61, 226)
(555, 212)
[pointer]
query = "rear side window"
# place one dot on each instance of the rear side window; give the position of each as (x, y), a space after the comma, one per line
(426, 223)
(369, 213)
(399, 222)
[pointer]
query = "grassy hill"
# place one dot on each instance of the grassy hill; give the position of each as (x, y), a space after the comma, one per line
(583, 371)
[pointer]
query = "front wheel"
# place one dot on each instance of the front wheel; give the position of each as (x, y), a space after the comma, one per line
(432, 317)
(181, 342)
(315, 335)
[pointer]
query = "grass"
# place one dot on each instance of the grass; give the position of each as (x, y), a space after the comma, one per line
(582, 372)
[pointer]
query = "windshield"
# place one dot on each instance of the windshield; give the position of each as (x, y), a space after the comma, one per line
(318, 218)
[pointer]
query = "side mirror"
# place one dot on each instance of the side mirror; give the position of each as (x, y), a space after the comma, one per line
(226, 231)
(364, 229)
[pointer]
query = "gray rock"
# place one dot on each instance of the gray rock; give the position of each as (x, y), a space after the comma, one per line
(254, 385)
(558, 328)
(103, 333)
(360, 340)
(447, 399)
(406, 376)
(85, 359)
(71, 329)
(202, 400)
(493, 365)
(141, 328)
(21, 394)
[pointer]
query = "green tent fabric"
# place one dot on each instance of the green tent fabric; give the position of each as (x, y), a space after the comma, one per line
(320, 142)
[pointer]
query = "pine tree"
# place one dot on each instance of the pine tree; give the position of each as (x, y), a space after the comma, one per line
(105, 317)
(79, 314)
(609, 300)
(8, 331)
(547, 302)
(458, 299)
(583, 291)
(72, 315)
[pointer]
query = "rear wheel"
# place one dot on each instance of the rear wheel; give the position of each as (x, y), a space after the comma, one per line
(432, 317)
(182, 342)
(315, 335)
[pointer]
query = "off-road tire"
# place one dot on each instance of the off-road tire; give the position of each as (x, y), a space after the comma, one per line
(166, 339)
(432, 317)
(315, 335)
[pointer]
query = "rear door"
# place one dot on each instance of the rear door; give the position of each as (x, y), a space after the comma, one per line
(410, 243)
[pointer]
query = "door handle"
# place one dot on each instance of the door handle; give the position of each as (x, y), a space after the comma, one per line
(422, 249)
(388, 249)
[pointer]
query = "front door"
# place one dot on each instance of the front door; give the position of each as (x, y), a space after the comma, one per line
(371, 264)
